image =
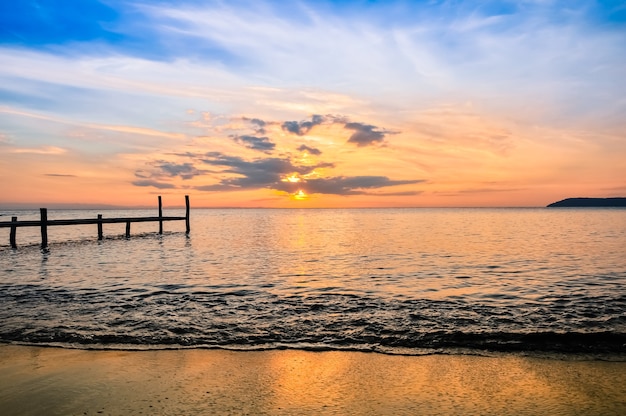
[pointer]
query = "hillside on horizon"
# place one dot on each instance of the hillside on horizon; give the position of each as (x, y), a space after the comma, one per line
(589, 202)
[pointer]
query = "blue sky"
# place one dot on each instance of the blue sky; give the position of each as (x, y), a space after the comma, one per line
(455, 102)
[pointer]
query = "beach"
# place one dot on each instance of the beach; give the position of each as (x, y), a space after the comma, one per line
(61, 381)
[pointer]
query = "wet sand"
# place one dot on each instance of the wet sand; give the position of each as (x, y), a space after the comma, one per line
(54, 381)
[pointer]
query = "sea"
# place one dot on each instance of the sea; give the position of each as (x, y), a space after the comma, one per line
(532, 281)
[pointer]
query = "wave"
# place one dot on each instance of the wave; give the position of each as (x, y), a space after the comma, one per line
(593, 344)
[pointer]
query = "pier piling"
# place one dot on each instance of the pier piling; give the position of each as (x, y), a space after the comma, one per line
(44, 227)
(14, 231)
(100, 235)
(187, 214)
(160, 216)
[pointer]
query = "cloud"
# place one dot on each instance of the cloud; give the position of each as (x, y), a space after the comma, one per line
(43, 150)
(163, 171)
(258, 124)
(59, 175)
(156, 184)
(405, 193)
(302, 127)
(137, 130)
(184, 170)
(352, 185)
(365, 134)
(257, 121)
(269, 173)
(255, 174)
(263, 144)
(310, 150)
(419, 48)
(115, 128)
(527, 66)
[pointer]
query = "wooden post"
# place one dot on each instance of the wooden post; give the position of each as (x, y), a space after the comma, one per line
(187, 213)
(44, 227)
(160, 215)
(13, 232)
(99, 227)
(127, 229)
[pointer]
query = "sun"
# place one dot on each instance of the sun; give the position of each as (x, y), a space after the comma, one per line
(294, 178)
(300, 195)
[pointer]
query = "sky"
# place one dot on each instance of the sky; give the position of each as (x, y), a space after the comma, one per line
(267, 103)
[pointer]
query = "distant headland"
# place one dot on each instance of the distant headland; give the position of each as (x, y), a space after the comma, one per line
(589, 202)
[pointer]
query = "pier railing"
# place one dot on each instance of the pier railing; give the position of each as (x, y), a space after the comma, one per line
(44, 223)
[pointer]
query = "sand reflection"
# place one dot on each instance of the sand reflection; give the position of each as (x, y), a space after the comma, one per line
(56, 381)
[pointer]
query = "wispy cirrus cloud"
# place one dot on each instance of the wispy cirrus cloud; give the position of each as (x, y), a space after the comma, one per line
(122, 129)
(420, 48)
(42, 150)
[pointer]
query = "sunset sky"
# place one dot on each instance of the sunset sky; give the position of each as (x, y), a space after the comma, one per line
(311, 103)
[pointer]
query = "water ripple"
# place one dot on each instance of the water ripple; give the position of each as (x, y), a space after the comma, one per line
(310, 280)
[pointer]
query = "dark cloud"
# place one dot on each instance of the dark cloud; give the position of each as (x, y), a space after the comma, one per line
(258, 173)
(156, 184)
(162, 171)
(365, 134)
(234, 173)
(352, 185)
(310, 150)
(190, 155)
(259, 125)
(263, 144)
(257, 121)
(269, 172)
(184, 170)
(302, 127)
(60, 175)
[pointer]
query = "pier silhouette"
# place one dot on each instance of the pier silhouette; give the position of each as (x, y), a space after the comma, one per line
(44, 223)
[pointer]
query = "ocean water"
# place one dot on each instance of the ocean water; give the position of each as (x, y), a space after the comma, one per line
(398, 281)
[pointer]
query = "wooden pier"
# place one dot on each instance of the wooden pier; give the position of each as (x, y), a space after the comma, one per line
(44, 223)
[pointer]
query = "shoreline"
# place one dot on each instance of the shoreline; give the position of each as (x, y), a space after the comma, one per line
(59, 381)
(611, 357)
